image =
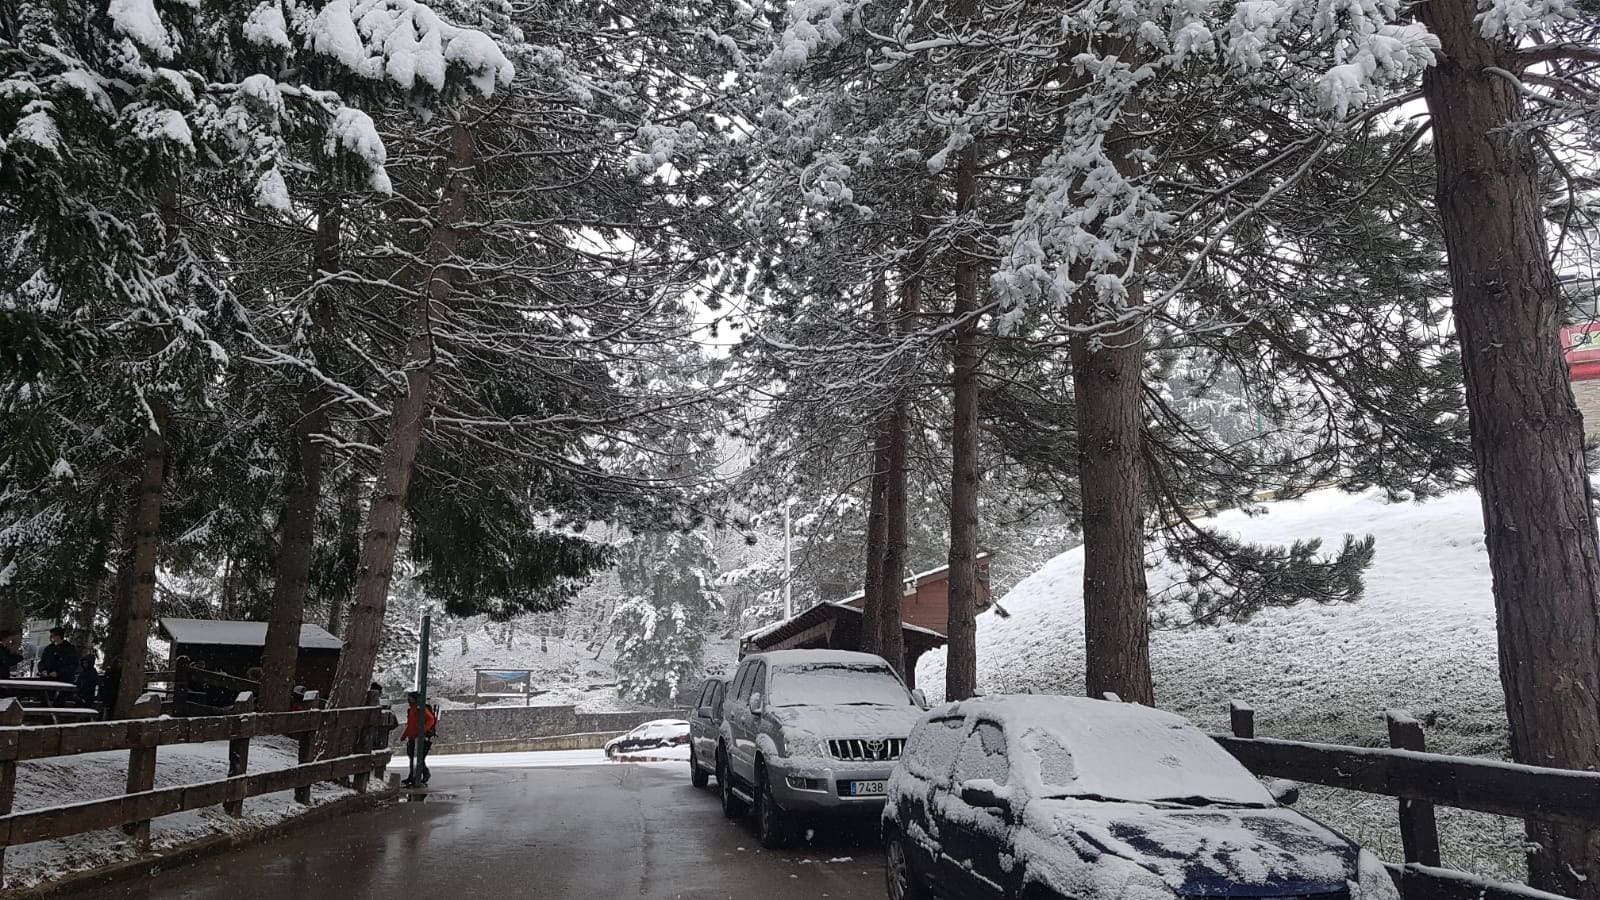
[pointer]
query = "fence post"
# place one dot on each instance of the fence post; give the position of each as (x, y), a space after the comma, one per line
(1419, 832)
(312, 700)
(1242, 718)
(367, 734)
(180, 685)
(10, 716)
(142, 759)
(239, 751)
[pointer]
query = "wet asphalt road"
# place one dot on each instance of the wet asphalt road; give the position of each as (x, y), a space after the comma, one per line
(613, 831)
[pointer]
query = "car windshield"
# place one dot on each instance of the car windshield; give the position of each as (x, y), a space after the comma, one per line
(1143, 762)
(836, 684)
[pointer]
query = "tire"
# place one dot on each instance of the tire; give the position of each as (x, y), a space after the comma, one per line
(732, 806)
(902, 882)
(773, 827)
(697, 775)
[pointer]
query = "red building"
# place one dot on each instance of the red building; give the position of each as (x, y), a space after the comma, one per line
(1580, 344)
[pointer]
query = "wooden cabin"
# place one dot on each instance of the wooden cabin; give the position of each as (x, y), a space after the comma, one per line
(836, 625)
(234, 648)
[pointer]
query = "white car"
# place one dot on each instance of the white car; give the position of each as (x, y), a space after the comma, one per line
(650, 736)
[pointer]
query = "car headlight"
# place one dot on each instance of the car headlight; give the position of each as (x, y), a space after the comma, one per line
(1372, 880)
(803, 746)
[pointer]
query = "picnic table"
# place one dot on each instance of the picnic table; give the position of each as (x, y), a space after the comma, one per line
(34, 688)
(58, 715)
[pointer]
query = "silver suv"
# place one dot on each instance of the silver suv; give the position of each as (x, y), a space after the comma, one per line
(810, 732)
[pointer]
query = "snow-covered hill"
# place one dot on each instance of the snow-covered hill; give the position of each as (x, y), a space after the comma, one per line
(1422, 639)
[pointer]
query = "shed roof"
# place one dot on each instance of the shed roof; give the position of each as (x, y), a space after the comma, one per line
(214, 632)
(941, 573)
(777, 631)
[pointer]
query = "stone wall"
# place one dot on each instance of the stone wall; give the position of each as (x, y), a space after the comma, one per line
(501, 728)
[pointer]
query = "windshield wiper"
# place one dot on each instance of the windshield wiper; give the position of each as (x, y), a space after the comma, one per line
(1210, 801)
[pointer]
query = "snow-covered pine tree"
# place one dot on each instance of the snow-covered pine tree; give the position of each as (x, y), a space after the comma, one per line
(668, 608)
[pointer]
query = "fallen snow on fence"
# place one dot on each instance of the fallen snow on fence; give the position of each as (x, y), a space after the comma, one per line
(1422, 639)
(92, 776)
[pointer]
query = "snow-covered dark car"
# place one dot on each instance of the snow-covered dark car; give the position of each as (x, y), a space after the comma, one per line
(810, 732)
(649, 736)
(705, 726)
(1047, 798)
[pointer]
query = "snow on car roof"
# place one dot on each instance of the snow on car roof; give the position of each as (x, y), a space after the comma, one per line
(240, 634)
(1075, 746)
(782, 659)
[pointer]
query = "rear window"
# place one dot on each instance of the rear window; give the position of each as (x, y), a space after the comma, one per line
(836, 684)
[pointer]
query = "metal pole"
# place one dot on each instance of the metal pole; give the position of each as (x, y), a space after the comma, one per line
(422, 660)
(788, 566)
(422, 693)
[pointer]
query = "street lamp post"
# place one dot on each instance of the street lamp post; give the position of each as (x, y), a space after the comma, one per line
(788, 565)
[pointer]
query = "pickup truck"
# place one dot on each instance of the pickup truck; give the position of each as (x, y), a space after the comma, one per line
(810, 733)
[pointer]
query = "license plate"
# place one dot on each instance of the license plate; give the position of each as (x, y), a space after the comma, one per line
(866, 789)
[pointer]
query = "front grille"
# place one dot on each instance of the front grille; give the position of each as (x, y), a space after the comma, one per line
(863, 750)
(1335, 895)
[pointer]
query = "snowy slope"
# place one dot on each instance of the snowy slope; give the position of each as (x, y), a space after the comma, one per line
(1422, 639)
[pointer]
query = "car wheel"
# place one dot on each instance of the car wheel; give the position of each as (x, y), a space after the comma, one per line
(732, 806)
(903, 884)
(772, 823)
(697, 775)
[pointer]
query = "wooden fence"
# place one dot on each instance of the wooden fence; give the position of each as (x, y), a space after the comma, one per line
(142, 735)
(190, 685)
(1421, 781)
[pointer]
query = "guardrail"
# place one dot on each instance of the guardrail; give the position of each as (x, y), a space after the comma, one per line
(143, 734)
(1421, 781)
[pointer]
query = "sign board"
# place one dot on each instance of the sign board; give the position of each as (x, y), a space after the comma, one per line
(503, 682)
(1580, 346)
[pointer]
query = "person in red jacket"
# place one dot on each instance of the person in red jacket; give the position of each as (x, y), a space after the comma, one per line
(417, 744)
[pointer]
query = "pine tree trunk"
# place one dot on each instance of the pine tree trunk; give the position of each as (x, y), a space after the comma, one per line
(297, 525)
(1106, 383)
(872, 590)
(961, 661)
(893, 641)
(386, 507)
(297, 521)
(137, 582)
(1527, 434)
(872, 586)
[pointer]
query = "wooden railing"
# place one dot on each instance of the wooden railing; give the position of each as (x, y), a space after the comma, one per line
(189, 681)
(142, 736)
(1421, 781)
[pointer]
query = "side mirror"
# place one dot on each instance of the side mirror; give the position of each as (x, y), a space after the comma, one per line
(919, 698)
(984, 798)
(1287, 793)
(758, 704)
(704, 712)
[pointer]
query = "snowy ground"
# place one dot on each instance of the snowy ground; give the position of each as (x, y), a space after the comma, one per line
(92, 776)
(1423, 639)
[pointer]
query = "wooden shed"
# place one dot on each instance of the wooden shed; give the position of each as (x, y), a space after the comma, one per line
(924, 612)
(234, 648)
(925, 596)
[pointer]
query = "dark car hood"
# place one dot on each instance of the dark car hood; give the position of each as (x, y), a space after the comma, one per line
(1211, 851)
